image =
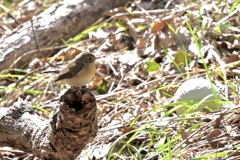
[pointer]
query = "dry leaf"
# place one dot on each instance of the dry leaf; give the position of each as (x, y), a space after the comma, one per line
(214, 134)
(218, 121)
(70, 54)
(126, 130)
(185, 137)
(156, 43)
(141, 43)
(160, 25)
(232, 58)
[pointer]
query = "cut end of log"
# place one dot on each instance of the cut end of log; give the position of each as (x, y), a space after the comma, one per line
(77, 98)
(75, 125)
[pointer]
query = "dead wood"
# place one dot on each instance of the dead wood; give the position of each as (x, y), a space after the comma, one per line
(62, 137)
(58, 22)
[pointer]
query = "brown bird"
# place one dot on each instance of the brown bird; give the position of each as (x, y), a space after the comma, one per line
(78, 71)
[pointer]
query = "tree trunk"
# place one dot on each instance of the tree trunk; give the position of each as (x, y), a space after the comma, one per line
(61, 21)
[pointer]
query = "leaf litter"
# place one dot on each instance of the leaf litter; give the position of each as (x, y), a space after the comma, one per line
(145, 51)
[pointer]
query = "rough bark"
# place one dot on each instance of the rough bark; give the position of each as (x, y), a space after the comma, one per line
(63, 137)
(61, 21)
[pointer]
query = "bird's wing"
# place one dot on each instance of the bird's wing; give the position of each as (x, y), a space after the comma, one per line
(71, 70)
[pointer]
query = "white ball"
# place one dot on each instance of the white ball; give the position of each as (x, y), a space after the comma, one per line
(195, 90)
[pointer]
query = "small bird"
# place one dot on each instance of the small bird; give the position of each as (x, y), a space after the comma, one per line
(79, 71)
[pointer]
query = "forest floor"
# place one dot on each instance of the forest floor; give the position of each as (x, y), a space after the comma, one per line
(144, 52)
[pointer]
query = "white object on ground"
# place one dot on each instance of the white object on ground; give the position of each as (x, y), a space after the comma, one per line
(196, 92)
